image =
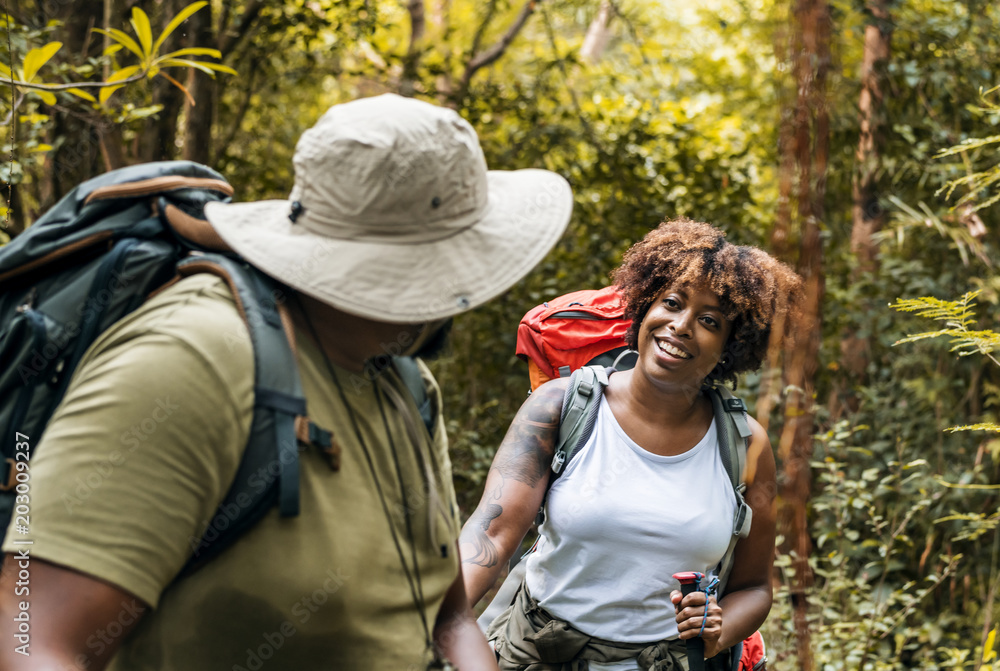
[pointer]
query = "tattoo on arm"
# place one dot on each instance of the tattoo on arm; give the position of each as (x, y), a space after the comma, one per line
(486, 553)
(525, 456)
(526, 452)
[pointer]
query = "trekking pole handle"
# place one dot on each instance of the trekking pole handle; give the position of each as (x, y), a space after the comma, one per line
(690, 582)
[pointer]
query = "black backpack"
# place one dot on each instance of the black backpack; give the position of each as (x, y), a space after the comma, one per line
(94, 258)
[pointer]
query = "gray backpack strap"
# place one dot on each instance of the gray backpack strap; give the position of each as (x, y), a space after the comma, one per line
(734, 437)
(409, 372)
(579, 413)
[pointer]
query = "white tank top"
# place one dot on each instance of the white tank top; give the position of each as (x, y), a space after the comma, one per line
(619, 523)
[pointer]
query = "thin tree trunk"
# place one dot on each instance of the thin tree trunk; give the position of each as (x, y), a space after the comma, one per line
(867, 212)
(811, 54)
(200, 117)
(598, 34)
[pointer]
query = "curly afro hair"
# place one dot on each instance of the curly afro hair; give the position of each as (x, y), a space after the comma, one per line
(754, 288)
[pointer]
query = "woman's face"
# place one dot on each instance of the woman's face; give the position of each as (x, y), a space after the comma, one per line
(683, 335)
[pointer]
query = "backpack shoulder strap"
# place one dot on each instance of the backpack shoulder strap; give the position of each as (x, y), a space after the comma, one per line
(579, 414)
(734, 437)
(409, 373)
(278, 400)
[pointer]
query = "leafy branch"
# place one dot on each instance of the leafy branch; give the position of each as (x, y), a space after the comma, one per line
(976, 182)
(143, 46)
(958, 316)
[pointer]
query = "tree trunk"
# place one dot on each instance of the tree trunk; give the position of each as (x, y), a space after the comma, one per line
(158, 136)
(598, 34)
(200, 117)
(867, 212)
(810, 145)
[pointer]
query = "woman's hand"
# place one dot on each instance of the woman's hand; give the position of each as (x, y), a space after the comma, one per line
(690, 615)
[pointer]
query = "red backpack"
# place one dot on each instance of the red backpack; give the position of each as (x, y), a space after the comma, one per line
(587, 328)
(565, 333)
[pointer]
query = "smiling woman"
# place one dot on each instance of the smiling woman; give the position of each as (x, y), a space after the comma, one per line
(647, 495)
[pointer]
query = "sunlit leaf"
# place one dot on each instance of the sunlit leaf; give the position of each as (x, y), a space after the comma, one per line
(47, 97)
(123, 39)
(42, 147)
(113, 49)
(36, 58)
(123, 74)
(5, 71)
(194, 51)
(80, 93)
(185, 63)
(140, 23)
(106, 93)
(181, 17)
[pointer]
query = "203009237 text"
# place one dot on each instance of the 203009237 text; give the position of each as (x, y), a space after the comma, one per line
(20, 482)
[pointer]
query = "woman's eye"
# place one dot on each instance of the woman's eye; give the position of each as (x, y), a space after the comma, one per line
(670, 303)
(711, 321)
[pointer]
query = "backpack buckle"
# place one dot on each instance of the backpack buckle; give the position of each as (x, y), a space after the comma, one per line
(558, 459)
(735, 405)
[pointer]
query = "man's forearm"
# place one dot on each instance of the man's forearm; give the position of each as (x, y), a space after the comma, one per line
(462, 642)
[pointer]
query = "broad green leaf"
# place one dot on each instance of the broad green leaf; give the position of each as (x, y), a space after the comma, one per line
(140, 23)
(47, 97)
(123, 39)
(181, 17)
(123, 74)
(194, 51)
(988, 652)
(106, 93)
(112, 49)
(80, 93)
(5, 71)
(36, 58)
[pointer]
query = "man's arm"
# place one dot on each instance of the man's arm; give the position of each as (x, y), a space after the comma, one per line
(74, 621)
(514, 489)
(456, 633)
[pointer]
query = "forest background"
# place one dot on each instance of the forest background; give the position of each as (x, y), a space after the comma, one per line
(817, 129)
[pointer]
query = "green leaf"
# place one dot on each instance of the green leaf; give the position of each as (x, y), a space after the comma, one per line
(194, 51)
(184, 63)
(123, 39)
(80, 93)
(123, 74)
(5, 71)
(36, 58)
(106, 93)
(47, 97)
(181, 17)
(140, 23)
(113, 49)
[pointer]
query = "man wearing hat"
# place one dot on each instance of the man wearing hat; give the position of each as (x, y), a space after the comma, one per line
(394, 225)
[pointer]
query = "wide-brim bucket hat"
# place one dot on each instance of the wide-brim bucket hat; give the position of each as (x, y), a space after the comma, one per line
(395, 217)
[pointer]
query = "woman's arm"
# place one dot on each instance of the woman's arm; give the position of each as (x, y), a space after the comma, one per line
(514, 490)
(747, 600)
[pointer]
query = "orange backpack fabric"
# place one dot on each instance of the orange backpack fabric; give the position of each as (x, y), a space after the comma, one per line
(570, 331)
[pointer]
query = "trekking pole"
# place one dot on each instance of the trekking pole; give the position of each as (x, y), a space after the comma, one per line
(690, 582)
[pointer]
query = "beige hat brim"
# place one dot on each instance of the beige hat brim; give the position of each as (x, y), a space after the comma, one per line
(407, 282)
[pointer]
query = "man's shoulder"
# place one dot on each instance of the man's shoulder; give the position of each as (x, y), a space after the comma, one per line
(198, 312)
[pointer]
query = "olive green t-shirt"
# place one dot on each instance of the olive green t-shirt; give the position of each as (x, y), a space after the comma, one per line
(136, 460)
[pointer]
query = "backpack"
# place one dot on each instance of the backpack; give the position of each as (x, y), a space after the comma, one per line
(95, 257)
(581, 335)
